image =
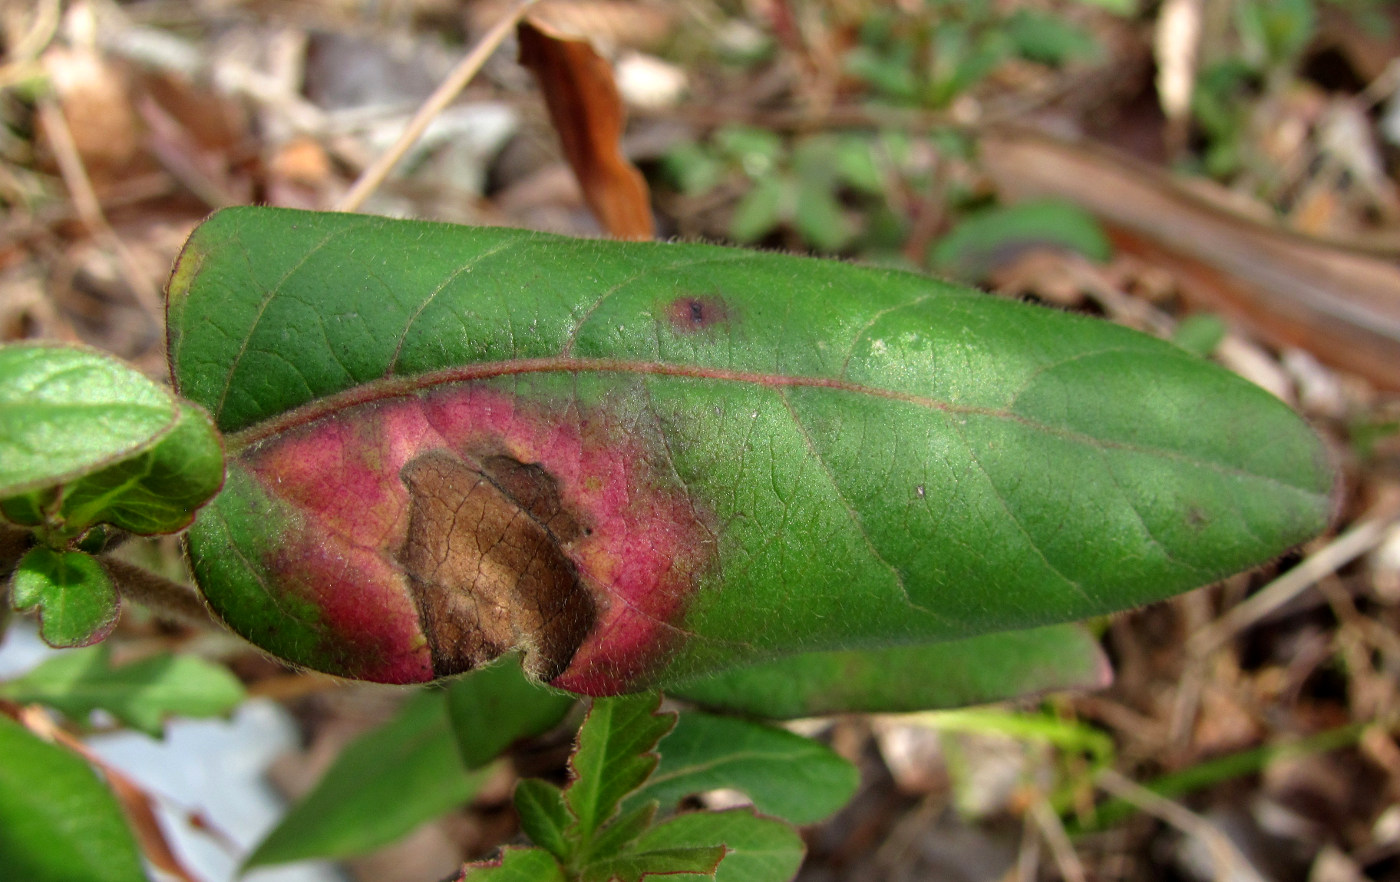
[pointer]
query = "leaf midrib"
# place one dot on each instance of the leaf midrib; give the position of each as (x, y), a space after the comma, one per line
(398, 387)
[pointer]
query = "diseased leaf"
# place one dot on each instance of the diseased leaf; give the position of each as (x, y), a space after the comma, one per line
(141, 693)
(382, 786)
(977, 670)
(786, 775)
(74, 596)
(66, 411)
(641, 462)
(157, 490)
(492, 708)
(58, 822)
(757, 849)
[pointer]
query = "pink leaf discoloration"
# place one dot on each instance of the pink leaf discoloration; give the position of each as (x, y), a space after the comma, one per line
(637, 544)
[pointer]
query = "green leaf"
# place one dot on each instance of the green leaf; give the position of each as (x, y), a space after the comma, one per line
(141, 693)
(517, 865)
(1200, 334)
(786, 775)
(615, 754)
(988, 238)
(678, 458)
(383, 785)
(543, 816)
(156, 491)
(30, 509)
(632, 823)
(492, 708)
(1050, 39)
(1118, 7)
(65, 412)
(819, 216)
(760, 210)
(757, 849)
(75, 598)
(642, 862)
(977, 670)
(58, 822)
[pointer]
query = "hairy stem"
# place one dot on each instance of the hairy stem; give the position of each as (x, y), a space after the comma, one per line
(165, 597)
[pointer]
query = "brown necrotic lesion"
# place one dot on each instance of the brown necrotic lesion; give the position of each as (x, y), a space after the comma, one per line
(486, 563)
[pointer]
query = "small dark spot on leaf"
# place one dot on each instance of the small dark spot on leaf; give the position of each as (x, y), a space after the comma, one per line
(691, 314)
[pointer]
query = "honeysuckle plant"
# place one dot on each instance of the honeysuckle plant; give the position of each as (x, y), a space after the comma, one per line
(770, 486)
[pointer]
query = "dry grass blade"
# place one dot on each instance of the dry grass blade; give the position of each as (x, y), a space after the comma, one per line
(1365, 535)
(456, 81)
(1229, 862)
(1046, 821)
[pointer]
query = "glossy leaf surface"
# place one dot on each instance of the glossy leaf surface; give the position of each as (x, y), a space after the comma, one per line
(58, 821)
(639, 462)
(65, 411)
(977, 670)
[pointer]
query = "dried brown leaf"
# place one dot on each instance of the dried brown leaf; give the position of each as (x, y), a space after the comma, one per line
(587, 112)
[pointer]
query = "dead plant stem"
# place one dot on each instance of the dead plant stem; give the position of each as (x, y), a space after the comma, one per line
(445, 93)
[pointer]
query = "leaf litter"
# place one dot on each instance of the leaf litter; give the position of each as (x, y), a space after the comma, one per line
(1321, 660)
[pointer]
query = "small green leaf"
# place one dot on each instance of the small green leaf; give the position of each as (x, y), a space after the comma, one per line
(1050, 39)
(692, 168)
(156, 491)
(543, 816)
(819, 216)
(978, 670)
(141, 694)
(29, 509)
(1199, 334)
(616, 836)
(58, 822)
(982, 241)
(383, 785)
(757, 849)
(614, 757)
(1117, 7)
(65, 412)
(642, 862)
(759, 211)
(493, 707)
(77, 603)
(786, 775)
(516, 865)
